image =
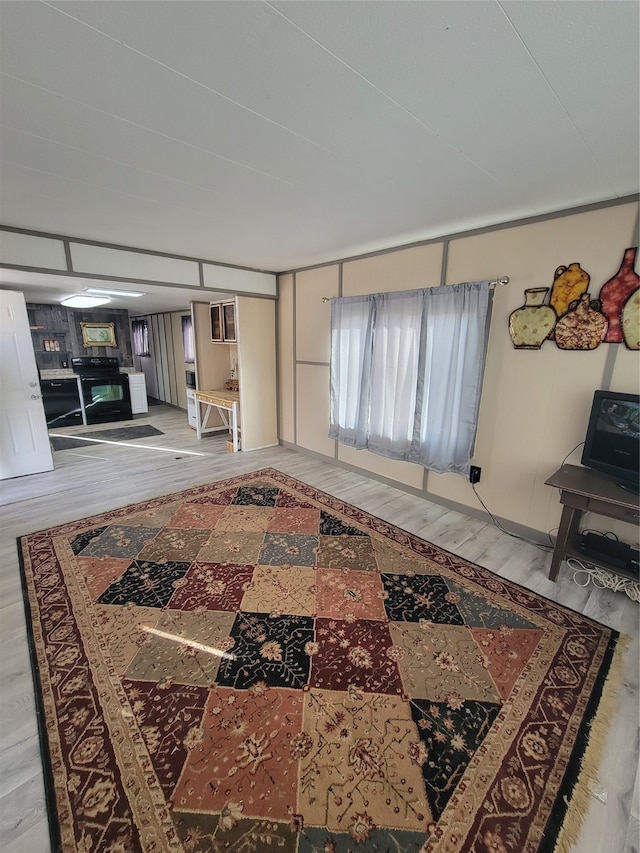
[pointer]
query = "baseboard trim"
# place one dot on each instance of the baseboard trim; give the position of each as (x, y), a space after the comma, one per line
(520, 530)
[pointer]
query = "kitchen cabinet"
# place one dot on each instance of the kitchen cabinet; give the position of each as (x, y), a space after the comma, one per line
(138, 393)
(223, 322)
(61, 399)
(216, 322)
(229, 322)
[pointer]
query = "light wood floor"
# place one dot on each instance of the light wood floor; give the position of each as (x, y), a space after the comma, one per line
(101, 477)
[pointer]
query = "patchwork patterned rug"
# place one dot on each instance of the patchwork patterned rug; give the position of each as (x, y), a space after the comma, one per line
(256, 666)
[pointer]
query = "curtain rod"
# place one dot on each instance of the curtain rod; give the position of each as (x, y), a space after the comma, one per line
(497, 281)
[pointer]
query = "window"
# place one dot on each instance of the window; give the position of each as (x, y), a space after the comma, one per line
(187, 339)
(140, 336)
(406, 373)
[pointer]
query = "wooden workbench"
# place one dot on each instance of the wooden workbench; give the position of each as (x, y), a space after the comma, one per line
(227, 404)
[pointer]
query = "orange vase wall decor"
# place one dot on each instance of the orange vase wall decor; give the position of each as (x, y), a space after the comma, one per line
(569, 283)
(615, 293)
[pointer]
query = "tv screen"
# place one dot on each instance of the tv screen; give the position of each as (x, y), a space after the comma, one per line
(613, 436)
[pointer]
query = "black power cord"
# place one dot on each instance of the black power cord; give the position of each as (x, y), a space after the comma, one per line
(515, 535)
(503, 530)
(570, 452)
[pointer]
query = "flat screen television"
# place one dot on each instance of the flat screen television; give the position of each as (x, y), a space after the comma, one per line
(613, 437)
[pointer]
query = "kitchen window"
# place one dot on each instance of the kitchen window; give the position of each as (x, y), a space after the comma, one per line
(140, 337)
(187, 339)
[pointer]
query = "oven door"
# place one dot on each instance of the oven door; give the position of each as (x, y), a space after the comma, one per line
(106, 398)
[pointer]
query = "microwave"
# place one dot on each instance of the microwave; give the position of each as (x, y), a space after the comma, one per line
(190, 378)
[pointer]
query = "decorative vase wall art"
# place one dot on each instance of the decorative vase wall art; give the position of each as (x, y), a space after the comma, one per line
(532, 323)
(575, 321)
(631, 321)
(615, 292)
(582, 326)
(569, 283)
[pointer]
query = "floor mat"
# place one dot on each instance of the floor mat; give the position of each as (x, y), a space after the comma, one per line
(63, 442)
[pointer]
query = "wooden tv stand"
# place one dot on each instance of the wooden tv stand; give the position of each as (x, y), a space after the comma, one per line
(583, 490)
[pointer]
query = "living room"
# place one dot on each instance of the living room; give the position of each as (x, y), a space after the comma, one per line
(160, 132)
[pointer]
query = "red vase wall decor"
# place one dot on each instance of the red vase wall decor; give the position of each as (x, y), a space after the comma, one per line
(615, 292)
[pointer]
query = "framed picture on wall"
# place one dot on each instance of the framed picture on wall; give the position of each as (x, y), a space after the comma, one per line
(98, 334)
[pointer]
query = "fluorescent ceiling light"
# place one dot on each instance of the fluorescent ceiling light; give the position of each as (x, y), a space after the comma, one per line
(113, 292)
(84, 301)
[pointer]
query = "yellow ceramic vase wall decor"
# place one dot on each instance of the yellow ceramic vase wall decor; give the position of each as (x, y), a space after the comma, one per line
(569, 283)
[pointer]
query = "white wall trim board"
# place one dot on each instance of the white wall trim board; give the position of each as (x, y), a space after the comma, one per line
(70, 239)
(54, 255)
(20, 248)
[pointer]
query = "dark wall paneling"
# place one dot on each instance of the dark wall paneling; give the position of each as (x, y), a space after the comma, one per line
(55, 322)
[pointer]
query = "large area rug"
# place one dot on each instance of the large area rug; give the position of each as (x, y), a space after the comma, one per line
(256, 666)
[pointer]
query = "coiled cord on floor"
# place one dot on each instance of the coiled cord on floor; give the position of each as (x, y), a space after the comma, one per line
(603, 579)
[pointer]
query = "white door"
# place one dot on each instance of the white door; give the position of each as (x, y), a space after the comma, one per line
(24, 439)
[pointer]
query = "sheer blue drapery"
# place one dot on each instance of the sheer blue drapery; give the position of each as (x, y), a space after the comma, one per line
(406, 373)
(187, 339)
(140, 337)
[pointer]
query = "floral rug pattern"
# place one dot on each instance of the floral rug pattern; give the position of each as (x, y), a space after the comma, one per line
(256, 666)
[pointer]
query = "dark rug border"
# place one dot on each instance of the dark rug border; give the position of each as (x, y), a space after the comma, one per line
(45, 753)
(562, 802)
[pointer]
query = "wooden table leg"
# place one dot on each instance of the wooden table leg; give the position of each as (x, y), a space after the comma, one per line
(234, 427)
(198, 420)
(568, 524)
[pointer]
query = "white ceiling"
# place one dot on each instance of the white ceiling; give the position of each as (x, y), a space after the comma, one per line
(276, 135)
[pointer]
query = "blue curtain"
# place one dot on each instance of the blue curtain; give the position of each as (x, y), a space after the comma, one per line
(406, 373)
(140, 336)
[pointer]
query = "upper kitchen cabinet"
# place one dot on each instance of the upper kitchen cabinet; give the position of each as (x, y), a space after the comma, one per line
(215, 310)
(223, 322)
(229, 322)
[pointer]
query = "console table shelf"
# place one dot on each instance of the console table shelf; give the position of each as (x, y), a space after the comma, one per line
(572, 550)
(583, 490)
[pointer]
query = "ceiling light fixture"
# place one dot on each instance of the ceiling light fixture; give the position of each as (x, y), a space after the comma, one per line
(84, 301)
(104, 290)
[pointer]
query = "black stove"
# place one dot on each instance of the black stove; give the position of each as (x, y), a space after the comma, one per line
(98, 365)
(105, 391)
